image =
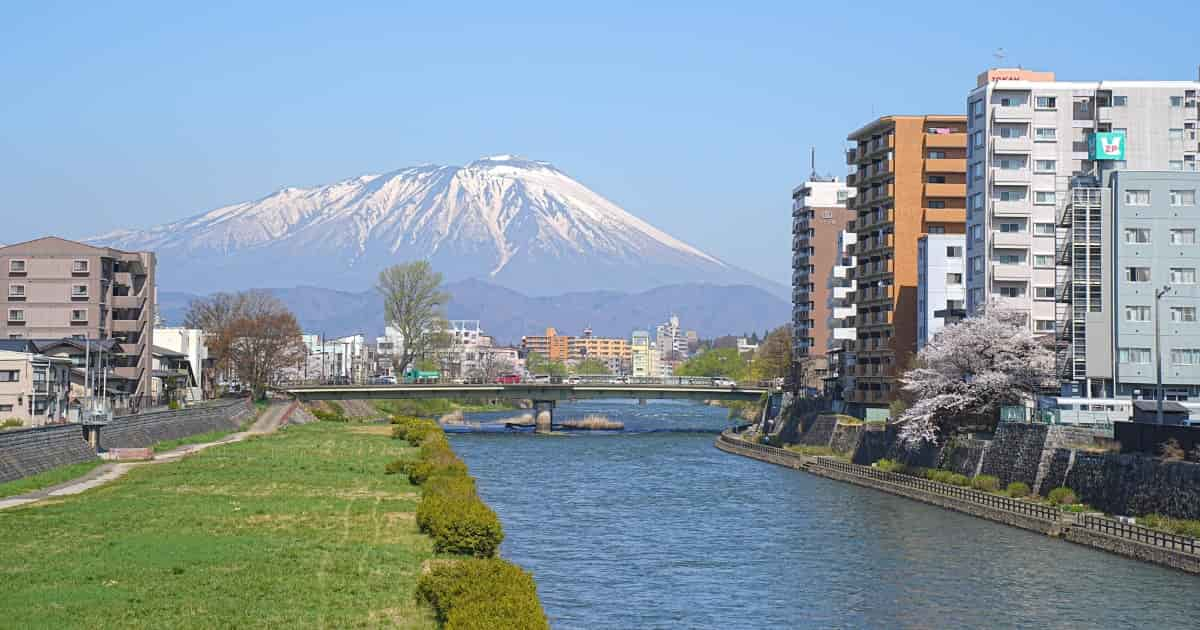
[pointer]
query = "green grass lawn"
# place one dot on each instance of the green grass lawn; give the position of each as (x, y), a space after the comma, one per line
(200, 438)
(45, 480)
(293, 530)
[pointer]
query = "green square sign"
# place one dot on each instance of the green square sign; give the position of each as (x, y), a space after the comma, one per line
(1108, 145)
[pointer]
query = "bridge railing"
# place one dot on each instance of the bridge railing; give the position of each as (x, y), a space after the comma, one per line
(668, 381)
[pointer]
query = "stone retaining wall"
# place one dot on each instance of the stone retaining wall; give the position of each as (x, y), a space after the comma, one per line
(148, 429)
(26, 452)
(845, 438)
(821, 431)
(1136, 484)
(1133, 549)
(964, 456)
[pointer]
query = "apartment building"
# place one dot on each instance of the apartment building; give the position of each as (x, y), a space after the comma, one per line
(819, 216)
(1031, 136)
(190, 343)
(643, 356)
(552, 346)
(941, 291)
(608, 349)
(64, 289)
(910, 176)
(839, 346)
(34, 388)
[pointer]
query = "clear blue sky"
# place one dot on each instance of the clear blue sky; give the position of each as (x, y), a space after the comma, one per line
(697, 117)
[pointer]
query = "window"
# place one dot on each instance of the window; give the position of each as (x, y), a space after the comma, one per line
(937, 203)
(1120, 101)
(977, 108)
(1183, 313)
(977, 140)
(1045, 133)
(1044, 166)
(1012, 195)
(953, 251)
(1138, 236)
(1013, 291)
(1175, 133)
(1046, 102)
(1043, 293)
(1137, 274)
(1175, 165)
(16, 266)
(1043, 229)
(977, 264)
(842, 196)
(1183, 197)
(937, 179)
(1185, 356)
(1043, 325)
(16, 315)
(1137, 313)
(1183, 236)
(10, 376)
(16, 290)
(977, 170)
(1011, 101)
(953, 278)
(79, 290)
(1043, 197)
(79, 266)
(1043, 260)
(955, 305)
(1134, 355)
(937, 155)
(975, 202)
(1010, 131)
(1176, 101)
(1010, 259)
(79, 315)
(977, 232)
(1012, 228)
(1183, 275)
(6, 408)
(1085, 106)
(1137, 197)
(937, 229)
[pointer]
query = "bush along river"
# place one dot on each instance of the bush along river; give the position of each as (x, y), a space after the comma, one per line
(652, 527)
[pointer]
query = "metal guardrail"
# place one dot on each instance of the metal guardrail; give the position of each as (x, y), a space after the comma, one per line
(956, 492)
(1137, 533)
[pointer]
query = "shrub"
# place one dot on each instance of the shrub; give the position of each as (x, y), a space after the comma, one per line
(173, 405)
(1171, 451)
(1017, 489)
(1180, 526)
(419, 430)
(1062, 496)
(958, 480)
(889, 465)
(12, 423)
(396, 466)
(460, 525)
(328, 416)
(441, 463)
(482, 594)
(940, 476)
(987, 483)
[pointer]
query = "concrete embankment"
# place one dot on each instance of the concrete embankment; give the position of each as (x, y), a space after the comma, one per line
(1095, 531)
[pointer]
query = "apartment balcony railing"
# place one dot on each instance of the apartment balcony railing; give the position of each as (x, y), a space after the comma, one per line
(1012, 112)
(945, 190)
(1011, 175)
(1020, 144)
(1001, 271)
(946, 140)
(1020, 208)
(946, 165)
(1012, 239)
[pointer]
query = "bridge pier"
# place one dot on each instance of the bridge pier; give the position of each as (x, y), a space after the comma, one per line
(543, 414)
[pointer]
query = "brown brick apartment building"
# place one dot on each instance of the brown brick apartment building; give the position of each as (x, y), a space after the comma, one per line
(910, 173)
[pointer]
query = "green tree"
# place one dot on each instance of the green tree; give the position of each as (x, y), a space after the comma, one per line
(591, 366)
(725, 363)
(539, 365)
(413, 303)
(774, 355)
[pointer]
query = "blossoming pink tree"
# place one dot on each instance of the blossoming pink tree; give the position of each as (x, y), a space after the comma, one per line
(969, 370)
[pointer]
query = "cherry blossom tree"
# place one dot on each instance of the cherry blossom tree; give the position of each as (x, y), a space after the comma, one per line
(969, 370)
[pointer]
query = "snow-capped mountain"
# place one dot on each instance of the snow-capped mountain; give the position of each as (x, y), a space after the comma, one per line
(515, 222)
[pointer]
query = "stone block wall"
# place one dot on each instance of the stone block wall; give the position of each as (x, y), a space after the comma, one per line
(873, 446)
(1133, 484)
(150, 428)
(1059, 464)
(845, 438)
(820, 433)
(27, 452)
(963, 456)
(1015, 453)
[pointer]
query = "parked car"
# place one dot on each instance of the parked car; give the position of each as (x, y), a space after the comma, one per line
(508, 379)
(723, 382)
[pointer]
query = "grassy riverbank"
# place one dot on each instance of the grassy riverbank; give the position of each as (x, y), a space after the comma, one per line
(49, 478)
(434, 407)
(296, 529)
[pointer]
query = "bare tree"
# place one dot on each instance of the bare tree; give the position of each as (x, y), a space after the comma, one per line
(251, 334)
(413, 304)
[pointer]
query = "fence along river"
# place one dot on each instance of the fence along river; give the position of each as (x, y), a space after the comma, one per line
(655, 528)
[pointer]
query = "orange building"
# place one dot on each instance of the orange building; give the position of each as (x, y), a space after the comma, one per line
(603, 348)
(553, 346)
(910, 173)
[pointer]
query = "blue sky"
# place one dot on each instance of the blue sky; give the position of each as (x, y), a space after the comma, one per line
(695, 116)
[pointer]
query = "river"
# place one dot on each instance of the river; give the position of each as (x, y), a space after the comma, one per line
(658, 529)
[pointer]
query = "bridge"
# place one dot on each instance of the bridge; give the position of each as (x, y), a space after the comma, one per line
(543, 395)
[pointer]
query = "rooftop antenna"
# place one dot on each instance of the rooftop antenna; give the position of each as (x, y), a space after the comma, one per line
(812, 161)
(1000, 54)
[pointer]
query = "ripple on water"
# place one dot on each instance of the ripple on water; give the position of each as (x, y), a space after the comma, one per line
(661, 530)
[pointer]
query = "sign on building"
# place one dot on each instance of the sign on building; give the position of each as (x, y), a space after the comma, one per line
(1108, 145)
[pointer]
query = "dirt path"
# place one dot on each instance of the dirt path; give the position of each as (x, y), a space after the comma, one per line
(268, 421)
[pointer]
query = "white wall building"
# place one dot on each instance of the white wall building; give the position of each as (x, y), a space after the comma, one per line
(839, 348)
(940, 288)
(640, 351)
(190, 342)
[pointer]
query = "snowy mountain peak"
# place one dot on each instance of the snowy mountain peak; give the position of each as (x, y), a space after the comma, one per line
(518, 222)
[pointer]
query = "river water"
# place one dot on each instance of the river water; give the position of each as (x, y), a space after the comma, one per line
(655, 528)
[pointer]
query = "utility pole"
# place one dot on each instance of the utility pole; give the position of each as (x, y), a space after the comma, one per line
(1158, 394)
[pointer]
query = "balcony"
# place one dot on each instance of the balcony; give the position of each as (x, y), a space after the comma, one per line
(1014, 112)
(851, 156)
(1011, 175)
(945, 190)
(879, 145)
(1004, 272)
(1020, 144)
(127, 301)
(1011, 208)
(946, 165)
(844, 333)
(945, 215)
(876, 171)
(1011, 239)
(842, 293)
(945, 140)
(842, 312)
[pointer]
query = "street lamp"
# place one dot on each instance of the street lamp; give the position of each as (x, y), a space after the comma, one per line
(1158, 395)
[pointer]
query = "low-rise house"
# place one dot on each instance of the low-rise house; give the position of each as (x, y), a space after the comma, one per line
(34, 388)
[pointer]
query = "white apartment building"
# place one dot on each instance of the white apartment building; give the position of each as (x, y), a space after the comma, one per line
(941, 292)
(839, 347)
(187, 341)
(1029, 136)
(641, 350)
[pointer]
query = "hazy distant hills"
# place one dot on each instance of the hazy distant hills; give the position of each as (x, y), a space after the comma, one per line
(711, 310)
(510, 221)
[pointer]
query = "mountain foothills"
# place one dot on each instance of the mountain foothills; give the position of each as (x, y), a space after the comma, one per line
(513, 222)
(711, 310)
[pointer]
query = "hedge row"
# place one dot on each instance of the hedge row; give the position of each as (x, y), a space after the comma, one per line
(477, 592)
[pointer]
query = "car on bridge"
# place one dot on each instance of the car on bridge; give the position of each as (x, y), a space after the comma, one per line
(508, 379)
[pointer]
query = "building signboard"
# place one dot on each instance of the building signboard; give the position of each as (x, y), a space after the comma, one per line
(1108, 145)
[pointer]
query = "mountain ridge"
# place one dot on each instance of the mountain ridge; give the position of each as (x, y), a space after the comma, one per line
(508, 220)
